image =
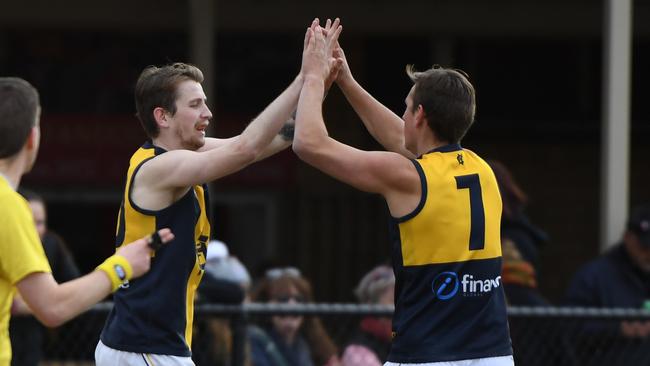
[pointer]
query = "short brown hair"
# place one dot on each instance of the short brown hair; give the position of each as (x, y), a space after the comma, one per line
(448, 100)
(19, 102)
(156, 87)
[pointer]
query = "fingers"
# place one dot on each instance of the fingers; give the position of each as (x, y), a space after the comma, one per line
(166, 235)
(333, 40)
(335, 64)
(317, 37)
(306, 41)
(334, 24)
(158, 238)
(330, 31)
(311, 42)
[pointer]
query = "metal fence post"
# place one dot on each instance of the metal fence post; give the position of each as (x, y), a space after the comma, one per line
(238, 323)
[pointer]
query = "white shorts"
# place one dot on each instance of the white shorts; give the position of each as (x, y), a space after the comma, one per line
(106, 356)
(488, 361)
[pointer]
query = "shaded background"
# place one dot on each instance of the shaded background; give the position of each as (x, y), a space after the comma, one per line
(536, 66)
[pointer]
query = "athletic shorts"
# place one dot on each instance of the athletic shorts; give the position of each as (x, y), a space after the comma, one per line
(106, 356)
(488, 361)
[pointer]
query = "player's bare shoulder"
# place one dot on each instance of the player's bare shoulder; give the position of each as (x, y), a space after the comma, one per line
(151, 186)
(404, 178)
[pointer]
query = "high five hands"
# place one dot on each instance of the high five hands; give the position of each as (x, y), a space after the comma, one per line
(318, 57)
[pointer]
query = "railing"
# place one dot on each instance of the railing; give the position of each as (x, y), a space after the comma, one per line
(541, 335)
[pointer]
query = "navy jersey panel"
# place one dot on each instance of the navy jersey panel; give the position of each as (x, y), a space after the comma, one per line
(147, 314)
(153, 313)
(447, 312)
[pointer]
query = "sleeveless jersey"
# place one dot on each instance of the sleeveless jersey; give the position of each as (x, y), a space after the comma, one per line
(154, 313)
(449, 299)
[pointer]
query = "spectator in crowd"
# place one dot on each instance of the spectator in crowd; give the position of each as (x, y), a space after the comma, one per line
(370, 344)
(620, 278)
(225, 281)
(520, 242)
(61, 260)
(25, 331)
(289, 340)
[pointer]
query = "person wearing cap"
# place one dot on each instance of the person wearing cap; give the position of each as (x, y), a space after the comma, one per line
(226, 280)
(619, 278)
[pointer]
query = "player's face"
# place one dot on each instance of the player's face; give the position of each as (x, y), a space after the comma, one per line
(192, 116)
(409, 123)
(40, 217)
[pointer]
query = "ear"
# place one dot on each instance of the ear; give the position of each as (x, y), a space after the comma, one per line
(161, 117)
(33, 138)
(420, 116)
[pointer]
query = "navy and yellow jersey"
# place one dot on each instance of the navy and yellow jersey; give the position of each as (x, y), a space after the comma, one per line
(153, 313)
(449, 299)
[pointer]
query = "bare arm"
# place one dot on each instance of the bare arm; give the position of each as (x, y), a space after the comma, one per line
(53, 303)
(276, 145)
(384, 125)
(213, 143)
(19, 307)
(386, 173)
(184, 168)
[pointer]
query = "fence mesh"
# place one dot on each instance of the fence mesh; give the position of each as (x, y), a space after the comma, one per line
(540, 336)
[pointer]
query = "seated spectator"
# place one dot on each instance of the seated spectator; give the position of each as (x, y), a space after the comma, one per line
(520, 242)
(289, 339)
(370, 344)
(225, 281)
(25, 331)
(619, 278)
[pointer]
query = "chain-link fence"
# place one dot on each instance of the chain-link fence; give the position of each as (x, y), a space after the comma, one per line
(540, 336)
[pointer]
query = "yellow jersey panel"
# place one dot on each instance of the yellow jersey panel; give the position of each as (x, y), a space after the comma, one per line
(21, 253)
(459, 217)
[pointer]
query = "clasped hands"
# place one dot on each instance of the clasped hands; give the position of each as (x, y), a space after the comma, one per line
(319, 59)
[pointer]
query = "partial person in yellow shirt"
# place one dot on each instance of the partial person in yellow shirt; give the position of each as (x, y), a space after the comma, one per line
(23, 264)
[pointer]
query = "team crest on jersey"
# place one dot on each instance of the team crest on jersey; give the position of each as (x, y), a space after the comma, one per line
(201, 252)
(459, 157)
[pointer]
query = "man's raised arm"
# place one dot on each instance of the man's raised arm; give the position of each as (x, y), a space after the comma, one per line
(386, 173)
(384, 125)
(185, 168)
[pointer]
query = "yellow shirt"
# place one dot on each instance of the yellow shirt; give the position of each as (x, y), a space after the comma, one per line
(21, 253)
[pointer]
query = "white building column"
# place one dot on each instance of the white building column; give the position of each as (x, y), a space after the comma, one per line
(615, 152)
